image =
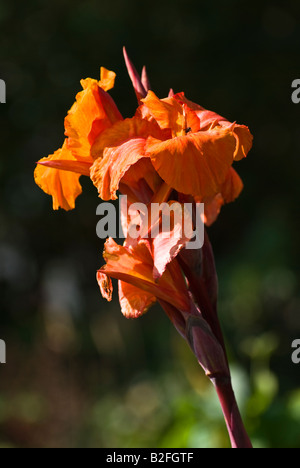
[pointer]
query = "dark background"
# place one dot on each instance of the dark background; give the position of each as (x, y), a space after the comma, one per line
(78, 374)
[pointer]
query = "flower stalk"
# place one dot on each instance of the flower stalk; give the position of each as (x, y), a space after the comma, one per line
(211, 354)
(236, 430)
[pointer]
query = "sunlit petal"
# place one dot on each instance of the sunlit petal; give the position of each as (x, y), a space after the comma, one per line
(134, 265)
(63, 186)
(208, 119)
(93, 112)
(134, 301)
(230, 190)
(195, 164)
(119, 148)
(107, 79)
(170, 233)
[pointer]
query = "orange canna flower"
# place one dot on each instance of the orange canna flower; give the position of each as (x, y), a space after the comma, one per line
(93, 112)
(172, 141)
(191, 158)
(186, 157)
(171, 152)
(190, 149)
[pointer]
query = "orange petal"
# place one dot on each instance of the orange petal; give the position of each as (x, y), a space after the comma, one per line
(63, 186)
(112, 112)
(79, 167)
(119, 148)
(93, 112)
(167, 112)
(230, 190)
(244, 141)
(123, 131)
(212, 209)
(107, 80)
(107, 173)
(177, 232)
(134, 265)
(134, 301)
(195, 164)
(232, 186)
(140, 176)
(208, 119)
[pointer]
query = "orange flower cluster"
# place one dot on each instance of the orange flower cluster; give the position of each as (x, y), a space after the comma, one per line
(171, 150)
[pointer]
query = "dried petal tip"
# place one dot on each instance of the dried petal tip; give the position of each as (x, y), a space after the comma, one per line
(105, 285)
(138, 86)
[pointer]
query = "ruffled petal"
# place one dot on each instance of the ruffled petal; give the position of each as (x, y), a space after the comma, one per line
(171, 231)
(134, 301)
(232, 186)
(142, 179)
(93, 112)
(244, 141)
(107, 173)
(107, 79)
(123, 131)
(63, 186)
(212, 209)
(209, 119)
(168, 113)
(195, 164)
(230, 190)
(134, 265)
(118, 149)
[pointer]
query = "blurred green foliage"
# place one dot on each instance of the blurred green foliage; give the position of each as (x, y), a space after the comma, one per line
(78, 373)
